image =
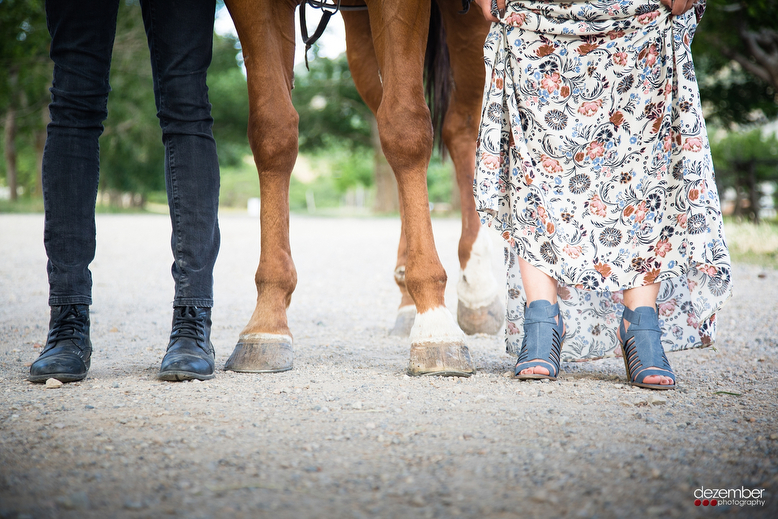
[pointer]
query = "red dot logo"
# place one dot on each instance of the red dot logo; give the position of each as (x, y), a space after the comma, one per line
(713, 502)
(705, 502)
(697, 502)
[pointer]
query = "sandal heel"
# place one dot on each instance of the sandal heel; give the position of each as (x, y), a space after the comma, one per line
(642, 350)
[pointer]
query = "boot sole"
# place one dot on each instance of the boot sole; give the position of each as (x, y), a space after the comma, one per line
(62, 377)
(179, 376)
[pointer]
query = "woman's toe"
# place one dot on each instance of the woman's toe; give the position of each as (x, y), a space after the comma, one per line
(535, 370)
(661, 380)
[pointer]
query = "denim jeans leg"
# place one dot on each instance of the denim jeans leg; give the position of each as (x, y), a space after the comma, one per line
(180, 36)
(82, 35)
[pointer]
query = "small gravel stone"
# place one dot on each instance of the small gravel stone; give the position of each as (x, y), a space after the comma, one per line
(657, 400)
(75, 501)
(134, 505)
(53, 383)
(418, 500)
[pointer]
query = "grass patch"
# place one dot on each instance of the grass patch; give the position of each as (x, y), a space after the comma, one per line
(22, 205)
(751, 243)
(35, 205)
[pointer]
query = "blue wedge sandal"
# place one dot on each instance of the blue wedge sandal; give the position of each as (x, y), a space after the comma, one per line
(543, 338)
(642, 348)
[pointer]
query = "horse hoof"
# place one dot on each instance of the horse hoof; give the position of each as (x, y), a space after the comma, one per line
(450, 360)
(486, 319)
(261, 353)
(406, 316)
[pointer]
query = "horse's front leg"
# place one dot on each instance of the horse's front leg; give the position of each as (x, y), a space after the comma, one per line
(266, 31)
(480, 308)
(400, 34)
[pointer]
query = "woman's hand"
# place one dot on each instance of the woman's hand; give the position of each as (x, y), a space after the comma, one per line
(677, 6)
(486, 8)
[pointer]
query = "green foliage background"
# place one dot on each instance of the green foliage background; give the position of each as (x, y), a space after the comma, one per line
(26, 75)
(732, 96)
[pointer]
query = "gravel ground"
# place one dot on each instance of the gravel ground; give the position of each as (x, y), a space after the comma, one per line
(347, 433)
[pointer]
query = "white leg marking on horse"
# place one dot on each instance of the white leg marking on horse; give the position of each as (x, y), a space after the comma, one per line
(264, 337)
(434, 326)
(477, 286)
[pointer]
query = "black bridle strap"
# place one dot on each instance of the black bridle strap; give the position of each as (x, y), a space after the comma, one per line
(327, 10)
(319, 4)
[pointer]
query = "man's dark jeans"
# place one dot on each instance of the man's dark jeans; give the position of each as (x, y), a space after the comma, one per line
(180, 37)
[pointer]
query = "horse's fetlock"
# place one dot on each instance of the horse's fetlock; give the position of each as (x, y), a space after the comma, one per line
(415, 283)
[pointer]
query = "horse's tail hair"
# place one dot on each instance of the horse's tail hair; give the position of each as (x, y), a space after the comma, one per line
(437, 74)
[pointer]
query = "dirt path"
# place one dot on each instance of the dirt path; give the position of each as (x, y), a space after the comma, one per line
(347, 434)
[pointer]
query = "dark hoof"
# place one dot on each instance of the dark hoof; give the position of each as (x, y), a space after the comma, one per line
(445, 359)
(486, 319)
(406, 316)
(261, 353)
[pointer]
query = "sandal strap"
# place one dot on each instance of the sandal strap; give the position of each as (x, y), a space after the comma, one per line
(543, 337)
(643, 330)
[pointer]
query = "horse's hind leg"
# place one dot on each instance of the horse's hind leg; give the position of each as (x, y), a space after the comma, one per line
(480, 308)
(399, 34)
(266, 30)
(363, 64)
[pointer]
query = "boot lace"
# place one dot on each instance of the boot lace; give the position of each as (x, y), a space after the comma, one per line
(188, 323)
(70, 324)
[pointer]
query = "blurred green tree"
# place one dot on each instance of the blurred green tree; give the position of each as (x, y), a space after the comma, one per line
(736, 58)
(229, 98)
(331, 111)
(336, 126)
(131, 151)
(744, 160)
(24, 57)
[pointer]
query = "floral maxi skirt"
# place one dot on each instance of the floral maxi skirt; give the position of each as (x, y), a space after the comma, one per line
(594, 166)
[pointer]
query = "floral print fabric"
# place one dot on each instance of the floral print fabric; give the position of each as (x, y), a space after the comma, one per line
(594, 165)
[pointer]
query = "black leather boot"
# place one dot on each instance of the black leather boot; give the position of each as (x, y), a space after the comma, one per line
(190, 354)
(68, 351)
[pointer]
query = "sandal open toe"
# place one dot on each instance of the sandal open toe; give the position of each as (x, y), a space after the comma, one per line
(642, 348)
(542, 344)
